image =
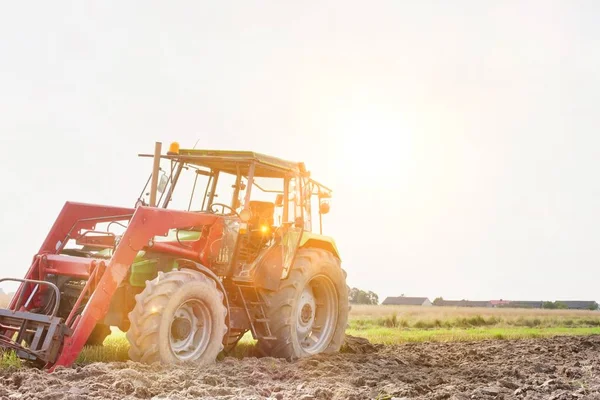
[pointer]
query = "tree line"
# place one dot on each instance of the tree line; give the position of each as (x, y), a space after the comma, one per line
(358, 296)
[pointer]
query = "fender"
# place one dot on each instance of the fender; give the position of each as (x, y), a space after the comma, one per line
(270, 271)
(180, 262)
(315, 240)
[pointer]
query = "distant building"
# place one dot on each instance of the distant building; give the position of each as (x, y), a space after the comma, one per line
(499, 303)
(570, 304)
(580, 305)
(406, 301)
(523, 304)
(463, 303)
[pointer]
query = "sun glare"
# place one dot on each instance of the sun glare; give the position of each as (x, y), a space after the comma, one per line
(372, 144)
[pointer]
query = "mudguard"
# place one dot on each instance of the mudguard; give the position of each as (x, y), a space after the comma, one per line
(315, 240)
(270, 270)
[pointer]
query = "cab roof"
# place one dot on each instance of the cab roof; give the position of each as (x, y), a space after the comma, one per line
(232, 161)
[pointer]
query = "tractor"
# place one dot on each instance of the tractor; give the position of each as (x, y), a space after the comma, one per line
(218, 244)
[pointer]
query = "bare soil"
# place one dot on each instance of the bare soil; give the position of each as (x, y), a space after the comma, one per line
(553, 368)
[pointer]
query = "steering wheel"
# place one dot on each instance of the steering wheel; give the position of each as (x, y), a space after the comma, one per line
(223, 207)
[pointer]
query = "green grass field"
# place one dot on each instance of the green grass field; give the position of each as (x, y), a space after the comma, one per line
(395, 336)
(401, 324)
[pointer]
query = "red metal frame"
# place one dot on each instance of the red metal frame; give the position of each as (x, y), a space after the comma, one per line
(104, 276)
(98, 241)
(77, 267)
(72, 219)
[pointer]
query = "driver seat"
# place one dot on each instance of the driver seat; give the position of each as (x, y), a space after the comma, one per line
(262, 213)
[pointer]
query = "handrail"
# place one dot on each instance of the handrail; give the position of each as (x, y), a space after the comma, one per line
(52, 285)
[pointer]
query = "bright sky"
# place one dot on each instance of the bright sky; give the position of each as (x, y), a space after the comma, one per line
(460, 138)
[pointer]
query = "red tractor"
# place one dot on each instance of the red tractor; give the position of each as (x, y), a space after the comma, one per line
(187, 272)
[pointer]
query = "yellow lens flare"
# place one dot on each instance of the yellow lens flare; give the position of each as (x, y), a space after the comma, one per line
(264, 229)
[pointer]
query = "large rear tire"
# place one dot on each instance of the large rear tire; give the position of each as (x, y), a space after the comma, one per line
(179, 317)
(309, 312)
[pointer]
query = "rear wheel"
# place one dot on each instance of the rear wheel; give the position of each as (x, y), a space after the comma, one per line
(309, 313)
(179, 317)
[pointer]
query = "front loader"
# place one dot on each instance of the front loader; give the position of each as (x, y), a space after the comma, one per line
(219, 243)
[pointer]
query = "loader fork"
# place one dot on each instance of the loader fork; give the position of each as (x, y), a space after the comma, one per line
(44, 332)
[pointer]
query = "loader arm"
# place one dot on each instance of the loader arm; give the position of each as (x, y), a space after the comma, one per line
(146, 223)
(103, 276)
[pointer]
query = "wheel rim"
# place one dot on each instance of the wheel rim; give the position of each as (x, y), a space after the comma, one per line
(190, 329)
(316, 314)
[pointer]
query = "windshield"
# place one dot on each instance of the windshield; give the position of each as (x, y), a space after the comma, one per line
(188, 187)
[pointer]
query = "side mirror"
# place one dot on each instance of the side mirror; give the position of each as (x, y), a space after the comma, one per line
(162, 183)
(279, 200)
(324, 207)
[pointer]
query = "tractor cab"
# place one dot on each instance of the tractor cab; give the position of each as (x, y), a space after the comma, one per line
(262, 202)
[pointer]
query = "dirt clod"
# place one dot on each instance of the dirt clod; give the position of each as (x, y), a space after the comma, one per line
(553, 368)
(358, 345)
(508, 384)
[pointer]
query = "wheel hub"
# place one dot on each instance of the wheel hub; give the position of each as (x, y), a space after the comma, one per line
(181, 328)
(190, 330)
(316, 316)
(306, 314)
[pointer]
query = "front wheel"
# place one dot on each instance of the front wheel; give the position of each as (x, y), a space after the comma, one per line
(179, 317)
(309, 312)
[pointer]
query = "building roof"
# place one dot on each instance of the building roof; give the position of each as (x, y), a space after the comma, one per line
(578, 303)
(463, 303)
(499, 302)
(524, 304)
(405, 301)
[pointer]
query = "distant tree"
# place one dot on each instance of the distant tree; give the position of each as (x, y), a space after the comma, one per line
(560, 305)
(438, 300)
(593, 306)
(358, 296)
(549, 305)
(373, 298)
(556, 305)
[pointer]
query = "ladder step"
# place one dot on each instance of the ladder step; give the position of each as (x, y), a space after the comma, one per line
(244, 283)
(253, 305)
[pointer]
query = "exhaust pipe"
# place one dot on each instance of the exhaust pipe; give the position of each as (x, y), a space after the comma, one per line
(155, 171)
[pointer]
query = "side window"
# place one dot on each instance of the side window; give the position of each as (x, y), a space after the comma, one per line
(306, 198)
(189, 190)
(294, 200)
(268, 190)
(225, 190)
(291, 237)
(290, 201)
